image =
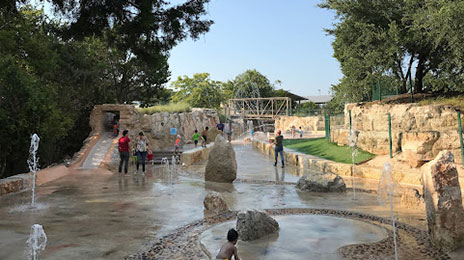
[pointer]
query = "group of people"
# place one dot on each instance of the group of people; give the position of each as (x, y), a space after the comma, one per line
(293, 131)
(140, 152)
(226, 129)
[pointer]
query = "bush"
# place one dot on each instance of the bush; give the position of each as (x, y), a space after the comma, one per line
(171, 108)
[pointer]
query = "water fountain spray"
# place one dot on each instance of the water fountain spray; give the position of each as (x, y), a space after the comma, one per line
(37, 240)
(353, 141)
(32, 161)
(173, 164)
(165, 164)
(385, 191)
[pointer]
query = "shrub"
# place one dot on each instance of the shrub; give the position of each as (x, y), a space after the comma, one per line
(171, 108)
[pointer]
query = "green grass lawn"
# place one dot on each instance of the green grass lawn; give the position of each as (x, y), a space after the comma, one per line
(322, 148)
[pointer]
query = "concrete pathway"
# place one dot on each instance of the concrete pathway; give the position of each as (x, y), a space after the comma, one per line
(98, 152)
(99, 215)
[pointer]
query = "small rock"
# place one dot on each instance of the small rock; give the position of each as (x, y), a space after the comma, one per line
(253, 224)
(323, 182)
(214, 204)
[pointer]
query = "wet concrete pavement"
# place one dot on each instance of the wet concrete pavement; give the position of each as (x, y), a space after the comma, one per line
(94, 214)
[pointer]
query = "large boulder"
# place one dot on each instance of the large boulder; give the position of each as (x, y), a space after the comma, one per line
(322, 182)
(221, 166)
(253, 224)
(442, 194)
(214, 204)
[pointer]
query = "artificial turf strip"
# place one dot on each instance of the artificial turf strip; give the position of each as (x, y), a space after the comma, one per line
(320, 147)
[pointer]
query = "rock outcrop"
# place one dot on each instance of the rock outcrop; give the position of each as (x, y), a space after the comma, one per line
(322, 182)
(253, 224)
(419, 132)
(214, 204)
(442, 194)
(221, 165)
(156, 126)
(417, 147)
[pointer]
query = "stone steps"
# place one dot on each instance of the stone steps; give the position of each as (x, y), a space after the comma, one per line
(159, 155)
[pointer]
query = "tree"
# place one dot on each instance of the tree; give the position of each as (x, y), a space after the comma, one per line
(444, 21)
(250, 83)
(385, 39)
(199, 91)
(52, 74)
(281, 93)
(137, 34)
(28, 98)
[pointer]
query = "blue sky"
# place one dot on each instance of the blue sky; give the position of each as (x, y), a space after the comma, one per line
(284, 40)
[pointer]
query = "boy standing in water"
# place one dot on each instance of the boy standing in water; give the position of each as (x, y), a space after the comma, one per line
(228, 249)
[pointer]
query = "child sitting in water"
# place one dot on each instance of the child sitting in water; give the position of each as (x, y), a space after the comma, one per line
(228, 249)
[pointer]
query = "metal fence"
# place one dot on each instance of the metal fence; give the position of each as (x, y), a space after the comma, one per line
(382, 89)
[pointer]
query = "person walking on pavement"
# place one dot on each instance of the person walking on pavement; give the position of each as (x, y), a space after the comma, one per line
(124, 148)
(279, 147)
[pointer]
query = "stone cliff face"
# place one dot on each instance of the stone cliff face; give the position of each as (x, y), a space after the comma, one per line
(418, 132)
(156, 127)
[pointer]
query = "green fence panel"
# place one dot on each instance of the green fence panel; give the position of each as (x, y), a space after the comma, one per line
(460, 136)
(390, 134)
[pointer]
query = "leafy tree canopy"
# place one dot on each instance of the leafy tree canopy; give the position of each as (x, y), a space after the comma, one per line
(250, 83)
(199, 91)
(392, 40)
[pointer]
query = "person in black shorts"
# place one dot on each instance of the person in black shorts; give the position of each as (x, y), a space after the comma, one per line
(204, 135)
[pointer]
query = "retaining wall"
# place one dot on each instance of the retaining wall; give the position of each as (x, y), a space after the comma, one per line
(196, 155)
(308, 124)
(419, 132)
(322, 165)
(317, 164)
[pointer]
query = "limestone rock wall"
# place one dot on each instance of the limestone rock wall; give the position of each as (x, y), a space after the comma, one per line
(156, 127)
(419, 133)
(310, 123)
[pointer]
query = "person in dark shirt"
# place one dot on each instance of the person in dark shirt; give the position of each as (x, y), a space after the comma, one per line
(220, 127)
(279, 147)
